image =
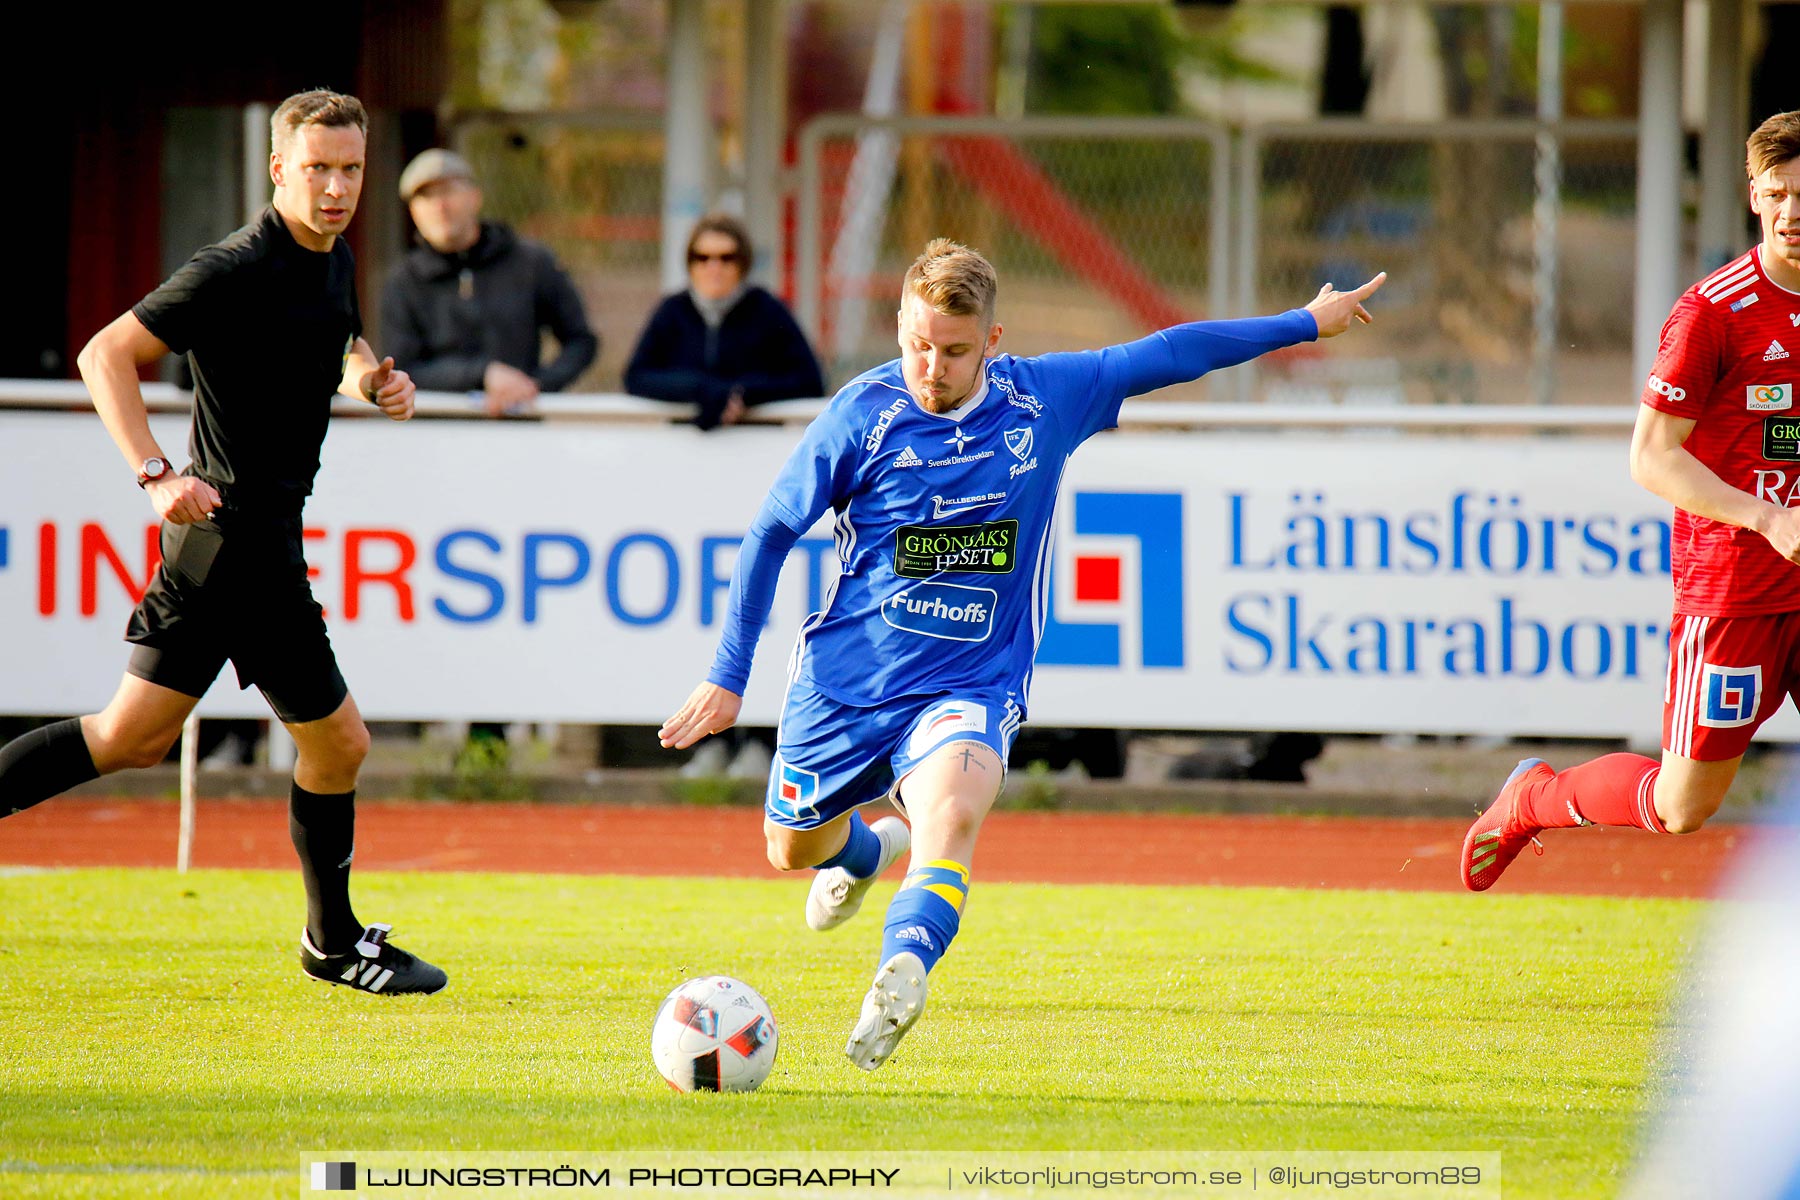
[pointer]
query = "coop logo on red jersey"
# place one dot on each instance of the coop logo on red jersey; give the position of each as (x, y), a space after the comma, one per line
(1769, 397)
(1667, 390)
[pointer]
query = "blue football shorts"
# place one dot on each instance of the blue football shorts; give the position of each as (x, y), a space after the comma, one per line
(831, 758)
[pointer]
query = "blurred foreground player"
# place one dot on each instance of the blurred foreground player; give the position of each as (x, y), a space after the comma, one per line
(269, 321)
(942, 467)
(1715, 438)
(1725, 1125)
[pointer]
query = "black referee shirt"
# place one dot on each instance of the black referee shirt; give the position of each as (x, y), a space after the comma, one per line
(266, 325)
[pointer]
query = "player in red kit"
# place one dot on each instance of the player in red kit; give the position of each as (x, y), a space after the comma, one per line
(1718, 436)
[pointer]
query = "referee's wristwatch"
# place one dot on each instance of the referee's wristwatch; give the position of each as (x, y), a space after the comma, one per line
(153, 470)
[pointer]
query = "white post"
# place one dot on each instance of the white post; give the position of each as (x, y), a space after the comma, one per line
(808, 254)
(1546, 207)
(256, 159)
(866, 188)
(1658, 181)
(687, 137)
(1218, 227)
(282, 751)
(1244, 259)
(1012, 79)
(765, 127)
(1722, 190)
(190, 766)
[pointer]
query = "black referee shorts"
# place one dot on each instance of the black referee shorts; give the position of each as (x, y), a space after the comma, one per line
(235, 587)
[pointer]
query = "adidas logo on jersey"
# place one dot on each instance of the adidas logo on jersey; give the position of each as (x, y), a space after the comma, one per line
(909, 459)
(915, 933)
(1775, 353)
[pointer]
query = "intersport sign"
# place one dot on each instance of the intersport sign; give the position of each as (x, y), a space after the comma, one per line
(1375, 582)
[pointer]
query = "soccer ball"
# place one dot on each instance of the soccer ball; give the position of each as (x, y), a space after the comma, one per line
(714, 1034)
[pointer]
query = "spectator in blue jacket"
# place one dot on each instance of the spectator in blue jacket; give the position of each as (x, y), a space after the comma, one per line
(722, 344)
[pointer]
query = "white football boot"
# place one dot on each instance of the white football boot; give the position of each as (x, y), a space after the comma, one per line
(836, 894)
(895, 1001)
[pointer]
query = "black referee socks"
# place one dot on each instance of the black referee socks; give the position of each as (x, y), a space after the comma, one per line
(43, 763)
(324, 831)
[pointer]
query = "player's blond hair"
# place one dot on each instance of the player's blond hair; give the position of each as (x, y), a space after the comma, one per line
(953, 280)
(1776, 141)
(320, 106)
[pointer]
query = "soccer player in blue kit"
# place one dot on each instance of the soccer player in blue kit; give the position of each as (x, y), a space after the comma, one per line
(942, 467)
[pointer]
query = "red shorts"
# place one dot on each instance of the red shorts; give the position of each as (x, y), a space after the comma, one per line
(1727, 675)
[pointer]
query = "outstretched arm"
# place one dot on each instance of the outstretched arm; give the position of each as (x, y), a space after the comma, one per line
(1186, 352)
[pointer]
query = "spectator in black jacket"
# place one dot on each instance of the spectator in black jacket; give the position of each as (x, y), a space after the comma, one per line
(722, 344)
(466, 309)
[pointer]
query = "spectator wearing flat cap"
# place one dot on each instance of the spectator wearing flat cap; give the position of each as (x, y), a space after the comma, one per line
(465, 310)
(721, 343)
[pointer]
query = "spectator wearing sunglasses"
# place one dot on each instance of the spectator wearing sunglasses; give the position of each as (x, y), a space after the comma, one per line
(722, 344)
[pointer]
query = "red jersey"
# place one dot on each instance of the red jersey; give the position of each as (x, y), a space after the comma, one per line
(1729, 360)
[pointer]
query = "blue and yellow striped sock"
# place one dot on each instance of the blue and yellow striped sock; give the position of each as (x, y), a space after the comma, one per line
(925, 913)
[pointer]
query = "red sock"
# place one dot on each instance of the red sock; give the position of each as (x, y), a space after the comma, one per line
(1614, 789)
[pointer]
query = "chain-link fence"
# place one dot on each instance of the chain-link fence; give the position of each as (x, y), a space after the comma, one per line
(1101, 228)
(1451, 212)
(1105, 229)
(589, 188)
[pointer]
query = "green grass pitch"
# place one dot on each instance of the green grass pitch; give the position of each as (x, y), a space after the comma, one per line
(157, 1038)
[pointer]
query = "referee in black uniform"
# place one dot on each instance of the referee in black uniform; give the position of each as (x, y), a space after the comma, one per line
(269, 322)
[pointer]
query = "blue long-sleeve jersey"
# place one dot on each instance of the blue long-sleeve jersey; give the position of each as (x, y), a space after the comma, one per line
(944, 520)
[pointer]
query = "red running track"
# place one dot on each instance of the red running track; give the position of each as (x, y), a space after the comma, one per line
(1329, 852)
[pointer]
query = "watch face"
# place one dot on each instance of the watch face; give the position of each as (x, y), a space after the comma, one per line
(155, 468)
